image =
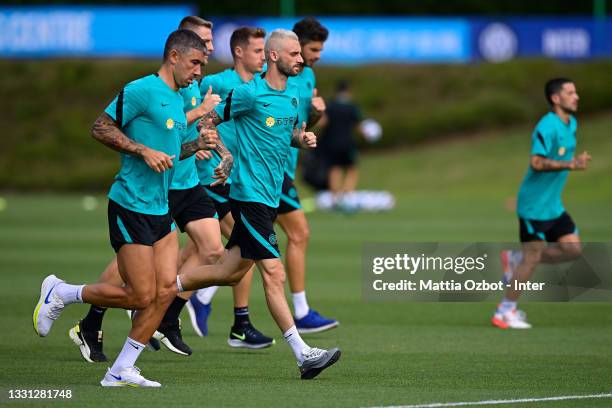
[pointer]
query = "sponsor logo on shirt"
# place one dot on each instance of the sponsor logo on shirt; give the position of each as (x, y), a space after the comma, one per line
(561, 151)
(169, 123)
(193, 101)
(270, 121)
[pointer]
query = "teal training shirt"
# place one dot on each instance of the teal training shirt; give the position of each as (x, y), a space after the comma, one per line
(185, 172)
(306, 83)
(264, 120)
(222, 83)
(539, 197)
(151, 113)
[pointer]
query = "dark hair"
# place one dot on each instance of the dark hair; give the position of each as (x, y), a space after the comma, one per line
(342, 86)
(554, 86)
(241, 36)
(191, 22)
(309, 29)
(183, 41)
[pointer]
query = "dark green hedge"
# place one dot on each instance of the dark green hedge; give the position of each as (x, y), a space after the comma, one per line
(48, 108)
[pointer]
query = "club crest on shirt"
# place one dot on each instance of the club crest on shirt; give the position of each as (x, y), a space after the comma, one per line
(294, 102)
(270, 121)
(169, 123)
(561, 151)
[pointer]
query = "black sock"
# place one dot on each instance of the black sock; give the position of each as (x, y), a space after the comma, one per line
(241, 315)
(93, 320)
(173, 312)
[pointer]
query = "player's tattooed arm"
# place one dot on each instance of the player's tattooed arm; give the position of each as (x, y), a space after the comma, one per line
(302, 139)
(223, 170)
(210, 119)
(106, 131)
(208, 138)
(541, 163)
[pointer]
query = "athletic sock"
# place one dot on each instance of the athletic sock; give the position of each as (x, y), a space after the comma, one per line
(173, 312)
(241, 316)
(296, 343)
(128, 356)
(93, 320)
(205, 295)
(506, 306)
(300, 305)
(69, 293)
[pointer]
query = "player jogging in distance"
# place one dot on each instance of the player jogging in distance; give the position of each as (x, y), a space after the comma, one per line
(247, 47)
(265, 113)
(542, 216)
(146, 124)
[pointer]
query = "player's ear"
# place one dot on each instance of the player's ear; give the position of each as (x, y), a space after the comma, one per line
(555, 98)
(273, 55)
(174, 56)
(238, 52)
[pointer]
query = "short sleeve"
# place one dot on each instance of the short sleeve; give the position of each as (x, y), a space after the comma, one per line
(239, 101)
(541, 142)
(211, 80)
(130, 102)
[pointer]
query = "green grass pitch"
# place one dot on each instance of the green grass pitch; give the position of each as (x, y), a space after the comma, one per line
(393, 353)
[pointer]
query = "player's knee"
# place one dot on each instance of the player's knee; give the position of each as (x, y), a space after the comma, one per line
(274, 275)
(165, 295)
(299, 236)
(138, 301)
(532, 257)
(210, 256)
(572, 250)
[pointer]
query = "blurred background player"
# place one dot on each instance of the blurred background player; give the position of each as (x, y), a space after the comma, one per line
(337, 146)
(247, 47)
(542, 216)
(291, 217)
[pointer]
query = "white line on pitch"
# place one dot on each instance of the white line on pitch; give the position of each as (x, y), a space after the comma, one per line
(498, 402)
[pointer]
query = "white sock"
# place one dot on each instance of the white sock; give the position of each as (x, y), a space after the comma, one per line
(128, 356)
(69, 293)
(179, 286)
(300, 305)
(205, 295)
(296, 343)
(506, 305)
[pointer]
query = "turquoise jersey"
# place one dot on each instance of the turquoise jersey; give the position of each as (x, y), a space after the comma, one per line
(306, 83)
(222, 83)
(185, 172)
(264, 120)
(151, 113)
(539, 197)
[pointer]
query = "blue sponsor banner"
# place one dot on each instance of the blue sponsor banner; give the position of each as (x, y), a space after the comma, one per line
(89, 31)
(368, 40)
(558, 38)
(140, 31)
